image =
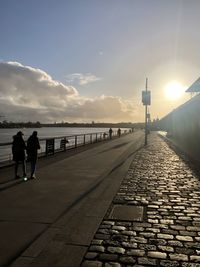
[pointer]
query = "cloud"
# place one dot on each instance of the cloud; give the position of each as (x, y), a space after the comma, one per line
(104, 108)
(82, 79)
(30, 94)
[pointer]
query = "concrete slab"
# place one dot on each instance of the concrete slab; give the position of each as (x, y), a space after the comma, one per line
(59, 254)
(15, 237)
(127, 213)
(22, 262)
(79, 233)
(40, 243)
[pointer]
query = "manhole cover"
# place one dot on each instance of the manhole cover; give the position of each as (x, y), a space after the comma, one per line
(127, 213)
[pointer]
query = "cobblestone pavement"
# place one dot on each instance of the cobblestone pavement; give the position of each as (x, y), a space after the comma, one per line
(169, 234)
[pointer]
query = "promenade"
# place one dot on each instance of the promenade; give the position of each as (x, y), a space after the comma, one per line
(73, 191)
(117, 204)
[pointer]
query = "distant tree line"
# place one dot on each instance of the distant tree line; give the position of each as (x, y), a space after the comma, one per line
(6, 124)
(10, 124)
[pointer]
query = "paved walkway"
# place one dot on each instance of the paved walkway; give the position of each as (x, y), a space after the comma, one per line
(43, 221)
(141, 209)
(167, 192)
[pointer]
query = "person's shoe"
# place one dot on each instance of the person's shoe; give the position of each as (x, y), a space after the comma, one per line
(33, 177)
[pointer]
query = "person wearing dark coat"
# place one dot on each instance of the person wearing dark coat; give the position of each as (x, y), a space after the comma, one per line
(119, 132)
(18, 151)
(32, 151)
(110, 133)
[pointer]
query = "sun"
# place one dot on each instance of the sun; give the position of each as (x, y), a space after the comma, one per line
(174, 90)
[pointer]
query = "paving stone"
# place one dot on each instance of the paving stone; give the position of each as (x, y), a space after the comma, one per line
(129, 233)
(147, 247)
(136, 252)
(193, 228)
(147, 261)
(195, 258)
(119, 228)
(158, 242)
(129, 244)
(186, 264)
(112, 264)
(166, 248)
(102, 236)
(154, 230)
(167, 221)
(117, 250)
(187, 251)
(188, 233)
(177, 227)
(91, 255)
(96, 248)
(168, 263)
(108, 257)
(184, 238)
(91, 264)
(119, 238)
(96, 242)
(108, 222)
(103, 231)
(165, 236)
(175, 243)
(195, 245)
(147, 235)
(139, 240)
(127, 260)
(178, 257)
(157, 254)
(170, 232)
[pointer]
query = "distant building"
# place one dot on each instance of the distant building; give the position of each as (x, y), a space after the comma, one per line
(194, 89)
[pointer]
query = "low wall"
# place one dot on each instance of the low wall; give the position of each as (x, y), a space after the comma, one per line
(183, 125)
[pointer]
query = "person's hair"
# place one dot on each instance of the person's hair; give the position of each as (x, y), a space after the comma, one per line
(20, 133)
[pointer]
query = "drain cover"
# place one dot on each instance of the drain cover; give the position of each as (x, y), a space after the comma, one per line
(127, 213)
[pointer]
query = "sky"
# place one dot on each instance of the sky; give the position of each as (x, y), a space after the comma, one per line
(87, 60)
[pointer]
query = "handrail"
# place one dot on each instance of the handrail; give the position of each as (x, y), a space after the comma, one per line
(57, 137)
(49, 145)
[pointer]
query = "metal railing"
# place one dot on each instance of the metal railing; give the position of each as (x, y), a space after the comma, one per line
(49, 146)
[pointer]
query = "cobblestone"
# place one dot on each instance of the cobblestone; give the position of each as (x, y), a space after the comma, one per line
(167, 263)
(169, 236)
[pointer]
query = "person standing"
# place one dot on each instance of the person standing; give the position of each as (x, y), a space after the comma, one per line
(18, 151)
(32, 151)
(119, 132)
(110, 133)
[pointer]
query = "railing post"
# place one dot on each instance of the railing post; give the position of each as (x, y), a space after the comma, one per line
(75, 141)
(50, 146)
(90, 138)
(96, 138)
(84, 139)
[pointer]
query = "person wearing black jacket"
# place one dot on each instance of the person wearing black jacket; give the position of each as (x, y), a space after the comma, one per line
(32, 151)
(18, 151)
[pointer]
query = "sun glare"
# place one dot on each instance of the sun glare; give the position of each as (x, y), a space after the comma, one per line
(174, 90)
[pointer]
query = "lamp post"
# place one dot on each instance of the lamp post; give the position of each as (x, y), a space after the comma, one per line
(146, 100)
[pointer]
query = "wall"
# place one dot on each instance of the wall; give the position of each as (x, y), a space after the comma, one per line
(183, 125)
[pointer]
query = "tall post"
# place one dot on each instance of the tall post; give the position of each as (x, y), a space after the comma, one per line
(146, 100)
(145, 142)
